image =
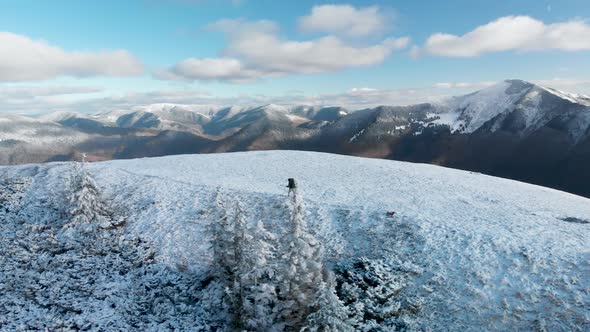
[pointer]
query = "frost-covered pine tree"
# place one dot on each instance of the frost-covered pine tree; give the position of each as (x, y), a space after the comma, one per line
(88, 211)
(329, 312)
(241, 249)
(244, 267)
(369, 287)
(301, 273)
(222, 239)
(258, 279)
(219, 291)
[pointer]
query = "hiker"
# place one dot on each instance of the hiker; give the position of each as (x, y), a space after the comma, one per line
(292, 186)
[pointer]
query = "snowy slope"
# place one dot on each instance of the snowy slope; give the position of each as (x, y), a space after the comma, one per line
(473, 110)
(174, 116)
(468, 113)
(517, 107)
(476, 252)
(572, 97)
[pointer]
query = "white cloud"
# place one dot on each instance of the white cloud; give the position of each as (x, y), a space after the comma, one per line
(355, 98)
(571, 85)
(345, 20)
(42, 100)
(463, 85)
(557, 81)
(520, 33)
(326, 54)
(255, 50)
(358, 98)
(443, 85)
(22, 92)
(24, 59)
(209, 69)
(39, 99)
(13, 101)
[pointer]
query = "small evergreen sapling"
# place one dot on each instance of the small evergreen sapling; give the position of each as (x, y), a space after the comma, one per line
(88, 211)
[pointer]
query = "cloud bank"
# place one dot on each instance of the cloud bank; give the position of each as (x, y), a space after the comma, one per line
(511, 33)
(463, 85)
(356, 98)
(345, 20)
(24, 59)
(46, 99)
(256, 50)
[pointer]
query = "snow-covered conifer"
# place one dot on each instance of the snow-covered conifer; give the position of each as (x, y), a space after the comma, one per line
(219, 290)
(88, 211)
(221, 242)
(369, 288)
(240, 249)
(258, 279)
(301, 273)
(329, 312)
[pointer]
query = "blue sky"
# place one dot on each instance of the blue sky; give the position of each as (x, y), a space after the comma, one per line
(97, 55)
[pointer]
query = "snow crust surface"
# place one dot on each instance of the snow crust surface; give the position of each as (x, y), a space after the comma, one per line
(477, 252)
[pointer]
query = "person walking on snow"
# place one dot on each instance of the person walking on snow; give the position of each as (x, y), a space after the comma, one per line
(292, 186)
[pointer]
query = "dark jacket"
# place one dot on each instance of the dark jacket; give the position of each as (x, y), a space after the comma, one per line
(291, 184)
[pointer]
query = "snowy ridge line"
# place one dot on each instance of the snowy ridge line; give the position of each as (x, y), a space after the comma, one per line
(574, 98)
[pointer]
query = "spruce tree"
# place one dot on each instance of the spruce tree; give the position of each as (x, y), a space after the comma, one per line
(218, 291)
(301, 273)
(258, 280)
(240, 250)
(244, 265)
(88, 211)
(329, 312)
(221, 242)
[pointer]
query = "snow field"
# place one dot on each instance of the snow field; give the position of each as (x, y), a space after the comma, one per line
(472, 252)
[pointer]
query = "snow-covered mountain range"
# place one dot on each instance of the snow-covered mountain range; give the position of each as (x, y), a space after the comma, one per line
(513, 129)
(463, 251)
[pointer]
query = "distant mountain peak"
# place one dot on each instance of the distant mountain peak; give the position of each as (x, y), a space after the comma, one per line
(275, 107)
(515, 105)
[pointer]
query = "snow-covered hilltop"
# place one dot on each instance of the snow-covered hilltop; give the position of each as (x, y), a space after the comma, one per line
(463, 251)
